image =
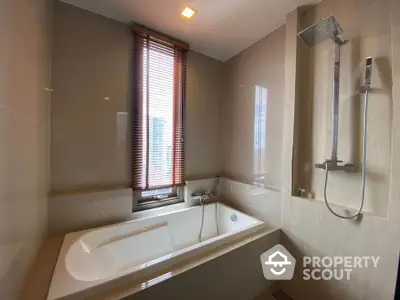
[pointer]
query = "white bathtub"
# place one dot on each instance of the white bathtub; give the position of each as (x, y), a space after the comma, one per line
(88, 259)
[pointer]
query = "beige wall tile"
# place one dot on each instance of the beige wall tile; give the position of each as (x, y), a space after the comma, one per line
(309, 228)
(256, 201)
(250, 141)
(39, 278)
(25, 60)
(204, 93)
(91, 60)
(395, 35)
(89, 150)
(367, 38)
(82, 211)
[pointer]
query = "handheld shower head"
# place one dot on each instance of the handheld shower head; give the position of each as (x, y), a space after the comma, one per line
(368, 71)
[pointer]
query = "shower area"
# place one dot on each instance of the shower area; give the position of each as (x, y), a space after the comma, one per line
(342, 134)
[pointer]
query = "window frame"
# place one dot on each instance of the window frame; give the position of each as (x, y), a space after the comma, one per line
(143, 204)
(177, 196)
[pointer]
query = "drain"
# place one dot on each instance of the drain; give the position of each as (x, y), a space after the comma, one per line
(234, 218)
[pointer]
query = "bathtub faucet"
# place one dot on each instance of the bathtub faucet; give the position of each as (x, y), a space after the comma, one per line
(203, 196)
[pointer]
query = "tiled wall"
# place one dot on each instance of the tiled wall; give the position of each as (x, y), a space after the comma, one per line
(308, 227)
(251, 113)
(68, 213)
(367, 28)
(267, 74)
(252, 125)
(25, 52)
(89, 134)
(259, 202)
(202, 132)
(90, 112)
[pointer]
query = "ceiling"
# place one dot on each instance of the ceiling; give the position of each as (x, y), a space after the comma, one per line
(220, 29)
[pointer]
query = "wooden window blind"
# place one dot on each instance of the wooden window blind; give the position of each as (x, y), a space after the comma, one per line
(158, 111)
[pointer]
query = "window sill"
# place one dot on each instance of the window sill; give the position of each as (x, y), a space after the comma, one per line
(157, 204)
(151, 212)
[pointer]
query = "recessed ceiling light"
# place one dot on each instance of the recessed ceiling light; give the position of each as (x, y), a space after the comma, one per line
(188, 12)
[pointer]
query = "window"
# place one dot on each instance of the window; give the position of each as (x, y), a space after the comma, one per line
(158, 127)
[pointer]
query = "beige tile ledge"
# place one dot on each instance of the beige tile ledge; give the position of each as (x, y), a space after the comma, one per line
(244, 181)
(38, 280)
(113, 188)
(341, 208)
(89, 190)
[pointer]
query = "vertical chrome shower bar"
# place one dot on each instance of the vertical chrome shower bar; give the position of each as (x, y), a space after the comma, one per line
(321, 31)
(335, 110)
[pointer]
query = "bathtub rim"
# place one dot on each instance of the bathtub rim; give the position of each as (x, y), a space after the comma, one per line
(172, 255)
(180, 257)
(117, 291)
(80, 234)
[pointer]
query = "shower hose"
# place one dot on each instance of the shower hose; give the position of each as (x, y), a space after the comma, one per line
(202, 198)
(202, 218)
(364, 165)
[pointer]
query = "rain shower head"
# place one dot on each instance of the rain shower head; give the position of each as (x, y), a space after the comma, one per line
(325, 29)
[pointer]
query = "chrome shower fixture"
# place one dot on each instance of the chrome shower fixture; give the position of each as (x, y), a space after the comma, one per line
(326, 29)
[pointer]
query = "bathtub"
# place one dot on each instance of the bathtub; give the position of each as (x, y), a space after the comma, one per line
(91, 261)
